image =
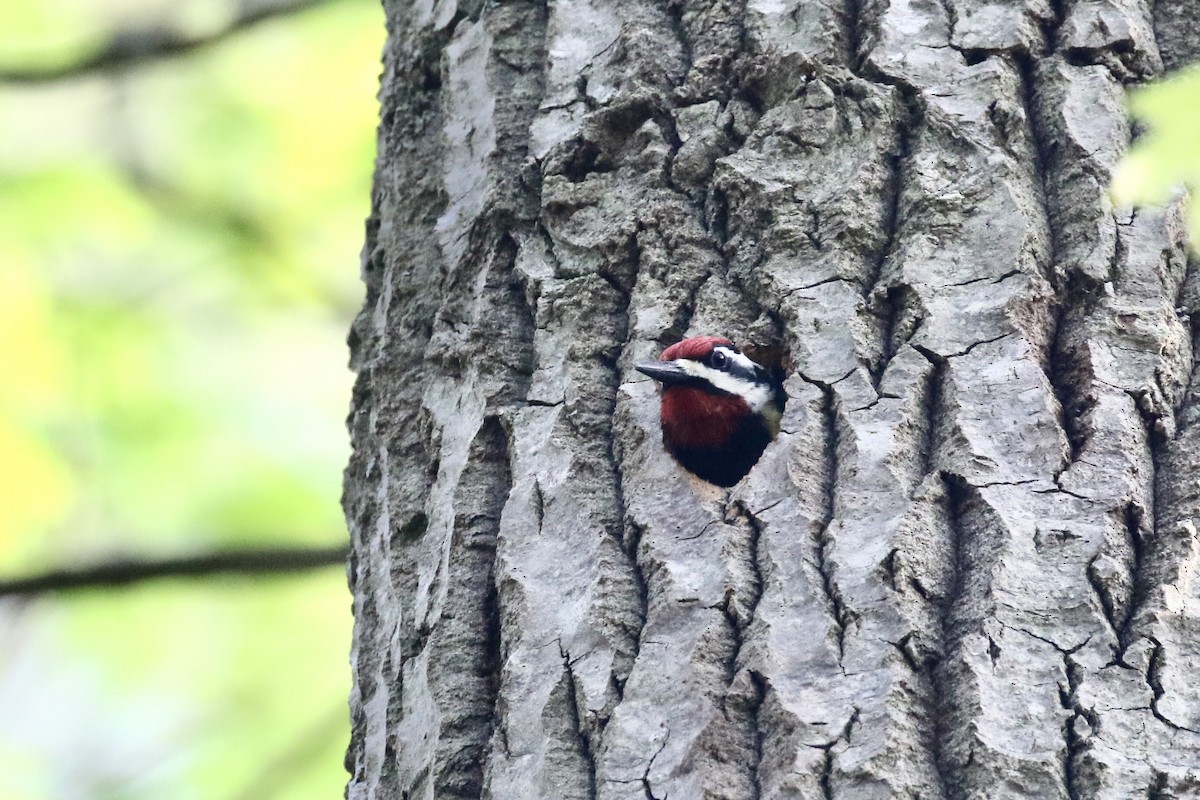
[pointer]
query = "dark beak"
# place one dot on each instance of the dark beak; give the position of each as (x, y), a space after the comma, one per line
(663, 371)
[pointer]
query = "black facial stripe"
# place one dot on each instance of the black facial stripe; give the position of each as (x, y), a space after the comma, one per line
(745, 373)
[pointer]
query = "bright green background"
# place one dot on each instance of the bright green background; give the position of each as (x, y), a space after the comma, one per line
(178, 268)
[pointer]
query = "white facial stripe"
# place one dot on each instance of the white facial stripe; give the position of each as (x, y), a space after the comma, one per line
(756, 395)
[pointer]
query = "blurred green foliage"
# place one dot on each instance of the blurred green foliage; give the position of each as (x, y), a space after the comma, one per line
(1167, 156)
(178, 268)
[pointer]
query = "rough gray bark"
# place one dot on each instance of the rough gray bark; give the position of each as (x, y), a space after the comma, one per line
(963, 570)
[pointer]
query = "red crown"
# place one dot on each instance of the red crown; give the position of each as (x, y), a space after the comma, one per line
(696, 348)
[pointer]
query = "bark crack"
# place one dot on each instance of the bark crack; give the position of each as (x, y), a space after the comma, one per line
(1074, 746)
(842, 616)
(1068, 380)
(628, 534)
(886, 303)
(933, 403)
(853, 12)
(941, 678)
(646, 787)
(674, 12)
(827, 761)
(1078, 728)
(739, 616)
(632, 547)
(760, 695)
(468, 628)
(1154, 681)
(1074, 402)
(1132, 518)
(576, 719)
(741, 512)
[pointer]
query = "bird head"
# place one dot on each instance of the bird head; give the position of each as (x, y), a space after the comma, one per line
(719, 408)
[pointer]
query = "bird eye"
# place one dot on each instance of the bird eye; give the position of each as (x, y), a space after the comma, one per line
(718, 359)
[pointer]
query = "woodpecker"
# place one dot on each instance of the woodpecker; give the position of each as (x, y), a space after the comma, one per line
(720, 410)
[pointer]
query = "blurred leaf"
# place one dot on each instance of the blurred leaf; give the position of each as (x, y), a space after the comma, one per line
(1167, 156)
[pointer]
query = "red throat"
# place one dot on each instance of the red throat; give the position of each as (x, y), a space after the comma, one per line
(694, 418)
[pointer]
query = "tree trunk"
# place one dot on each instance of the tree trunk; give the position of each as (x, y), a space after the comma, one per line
(964, 569)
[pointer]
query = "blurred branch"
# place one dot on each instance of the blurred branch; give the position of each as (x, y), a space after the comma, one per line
(242, 225)
(255, 561)
(139, 46)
